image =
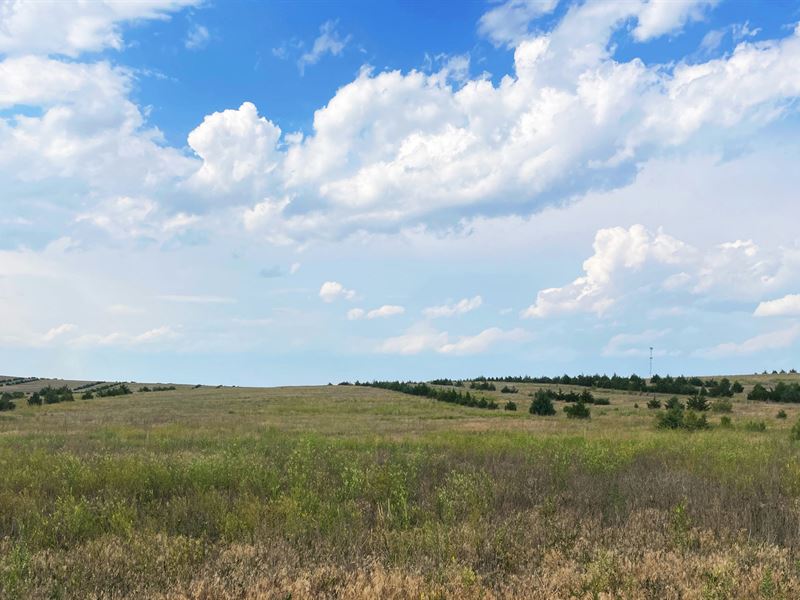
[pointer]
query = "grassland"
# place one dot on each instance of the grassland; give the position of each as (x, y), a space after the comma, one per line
(352, 492)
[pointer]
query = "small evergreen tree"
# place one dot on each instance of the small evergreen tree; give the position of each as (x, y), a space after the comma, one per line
(697, 402)
(541, 404)
(578, 410)
(654, 403)
(510, 405)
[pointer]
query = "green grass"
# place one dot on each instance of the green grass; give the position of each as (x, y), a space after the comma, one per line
(150, 493)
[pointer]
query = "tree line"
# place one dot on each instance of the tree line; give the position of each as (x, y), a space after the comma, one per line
(451, 396)
(633, 383)
(782, 392)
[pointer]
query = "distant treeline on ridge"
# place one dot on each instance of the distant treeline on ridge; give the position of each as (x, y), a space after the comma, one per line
(632, 383)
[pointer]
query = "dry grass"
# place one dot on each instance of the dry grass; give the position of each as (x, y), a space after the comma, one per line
(344, 492)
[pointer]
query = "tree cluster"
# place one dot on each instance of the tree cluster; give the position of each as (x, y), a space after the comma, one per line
(51, 395)
(584, 396)
(450, 396)
(782, 392)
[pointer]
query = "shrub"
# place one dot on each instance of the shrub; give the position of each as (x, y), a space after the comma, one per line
(755, 426)
(491, 404)
(697, 402)
(737, 387)
(34, 399)
(579, 410)
(87, 396)
(781, 414)
(722, 406)
(677, 418)
(542, 404)
(508, 390)
(117, 390)
(794, 434)
(725, 421)
(654, 403)
(673, 403)
(6, 402)
(604, 402)
(672, 418)
(693, 421)
(510, 405)
(635, 405)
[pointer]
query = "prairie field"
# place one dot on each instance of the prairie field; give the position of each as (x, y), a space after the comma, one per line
(357, 492)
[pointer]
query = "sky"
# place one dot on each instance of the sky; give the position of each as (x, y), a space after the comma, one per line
(278, 193)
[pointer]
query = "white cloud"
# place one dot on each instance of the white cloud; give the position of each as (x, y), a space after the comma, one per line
(58, 331)
(354, 314)
(387, 310)
(235, 145)
(71, 27)
(477, 344)
(333, 290)
(329, 41)
(773, 340)
(421, 339)
(658, 17)
(615, 249)
(391, 149)
(635, 344)
(788, 306)
(450, 310)
(117, 338)
(507, 24)
(197, 37)
(625, 260)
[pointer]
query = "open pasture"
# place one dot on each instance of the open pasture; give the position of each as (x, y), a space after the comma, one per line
(357, 492)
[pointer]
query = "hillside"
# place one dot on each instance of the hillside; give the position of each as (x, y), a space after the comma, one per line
(357, 492)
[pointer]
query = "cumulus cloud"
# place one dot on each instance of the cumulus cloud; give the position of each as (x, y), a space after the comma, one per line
(732, 270)
(235, 145)
(423, 339)
(124, 217)
(658, 17)
(451, 310)
(72, 27)
(615, 249)
(788, 306)
(387, 310)
(508, 23)
(329, 41)
(333, 290)
(393, 149)
(773, 340)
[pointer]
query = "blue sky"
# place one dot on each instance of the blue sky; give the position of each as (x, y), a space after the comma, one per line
(283, 193)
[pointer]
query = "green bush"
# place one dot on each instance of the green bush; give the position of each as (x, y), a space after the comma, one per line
(697, 402)
(508, 390)
(794, 434)
(6, 402)
(781, 414)
(654, 403)
(579, 410)
(693, 421)
(725, 421)
(510, 405)
(755, 426)
(542, 404)
(673, 403)
(677, 418)
(604, 402)
(87, 396)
